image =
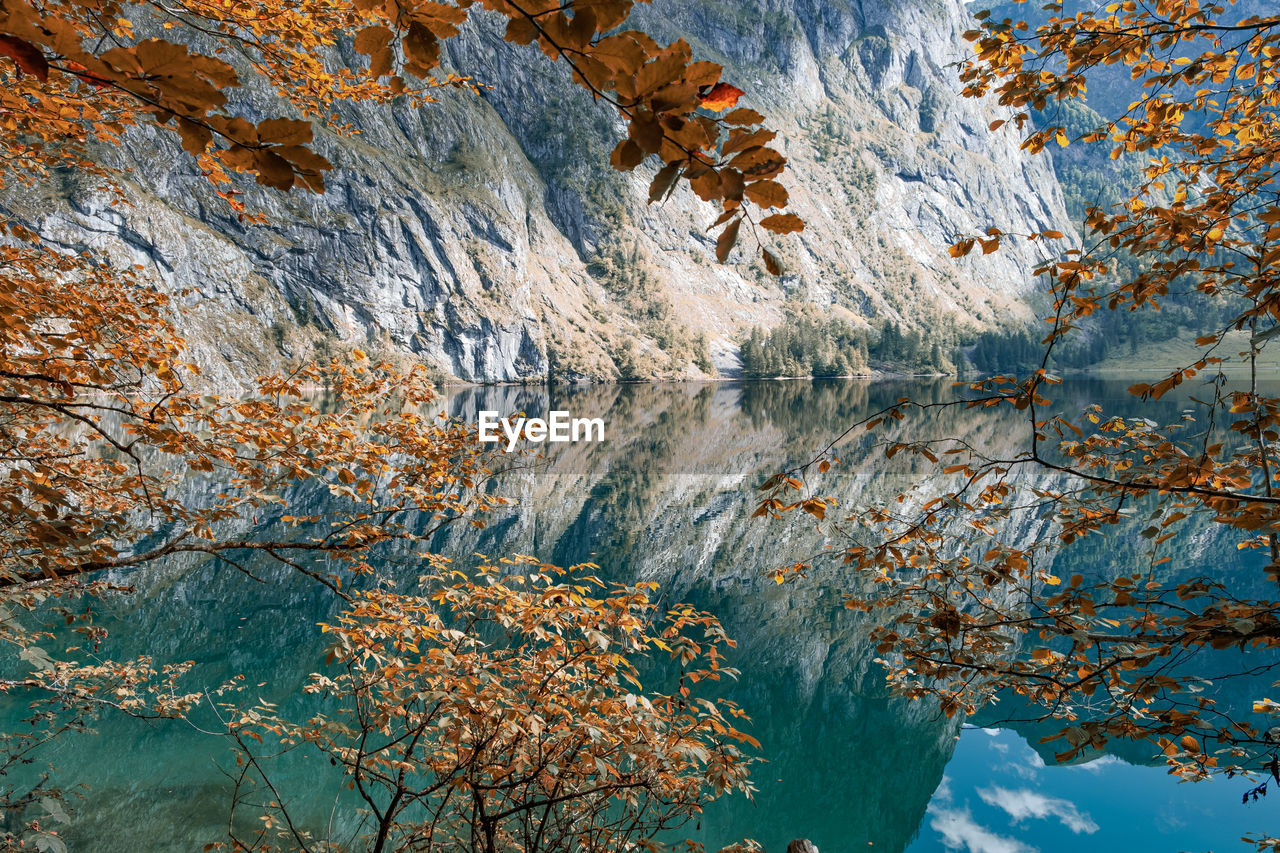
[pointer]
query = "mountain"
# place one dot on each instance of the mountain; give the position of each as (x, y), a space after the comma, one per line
(486, 235)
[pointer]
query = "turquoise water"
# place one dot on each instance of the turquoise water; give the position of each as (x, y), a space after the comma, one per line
(668, 497)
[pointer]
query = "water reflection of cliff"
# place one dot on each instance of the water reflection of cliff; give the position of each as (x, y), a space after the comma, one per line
(668, 497)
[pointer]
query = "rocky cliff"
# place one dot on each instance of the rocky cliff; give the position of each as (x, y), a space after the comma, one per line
(486, 235)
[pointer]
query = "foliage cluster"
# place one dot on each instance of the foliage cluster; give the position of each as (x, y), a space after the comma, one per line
(972, 611)
(504, 711)
(114, 458)
(76, 73)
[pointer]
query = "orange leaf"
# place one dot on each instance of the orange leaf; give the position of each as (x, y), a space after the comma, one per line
(721, 96)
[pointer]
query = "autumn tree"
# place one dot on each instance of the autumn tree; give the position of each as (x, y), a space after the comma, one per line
(504, 710)
(107, 429)
(971, 609)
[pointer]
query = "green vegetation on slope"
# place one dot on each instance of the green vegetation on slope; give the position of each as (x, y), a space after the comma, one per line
(822, 347)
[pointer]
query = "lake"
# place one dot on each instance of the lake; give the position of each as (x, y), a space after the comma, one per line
(667, 497)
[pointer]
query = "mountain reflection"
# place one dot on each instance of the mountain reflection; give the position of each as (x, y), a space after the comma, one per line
(667, 496)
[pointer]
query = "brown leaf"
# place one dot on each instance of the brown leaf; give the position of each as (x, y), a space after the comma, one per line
(647, 131)
(767, 194)
(521, 31)
(273, 170)
(706, 186)
(741, 140)
(743, 117)
(774, 267)
(816, 508)
(654, 75)
(442, 19)
(758, 159)
(195, 137)
(703, 74)
(664, 181)
(160, 58)
(621, 53)
(676, 98)
(728, 238)
(724, 217)
(303, 158)
(285, 131)
(372, 39)
(626, 156)
(732, 184)
(380, 62)
(593, 73)
(583, 27)
(609, 13)
(28, 57)
(783, 223)
(421, 49)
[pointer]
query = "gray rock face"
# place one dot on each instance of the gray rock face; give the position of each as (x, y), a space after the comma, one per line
(486, 235)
